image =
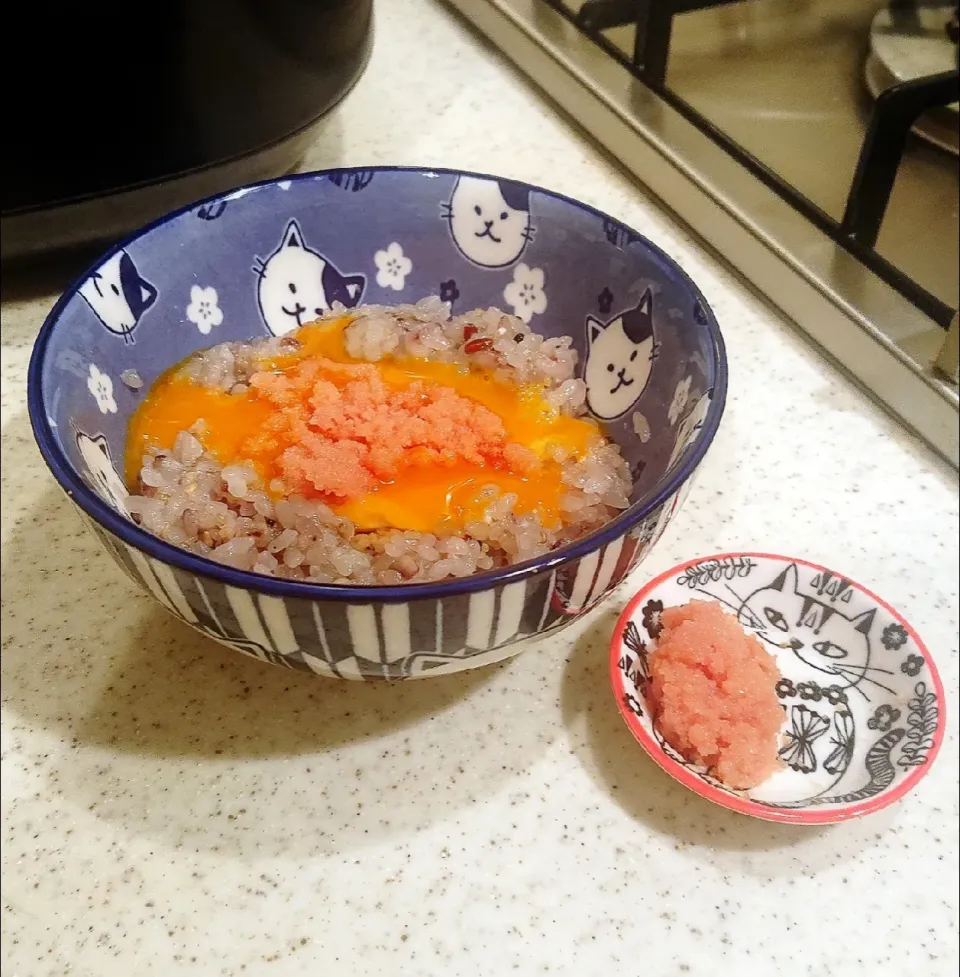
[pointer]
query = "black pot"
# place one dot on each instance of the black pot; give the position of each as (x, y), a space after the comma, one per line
(131, 110)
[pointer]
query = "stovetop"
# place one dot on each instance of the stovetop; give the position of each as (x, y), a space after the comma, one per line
(753, 121)
(785, 81)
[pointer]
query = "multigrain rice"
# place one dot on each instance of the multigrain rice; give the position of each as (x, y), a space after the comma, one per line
(224, 512)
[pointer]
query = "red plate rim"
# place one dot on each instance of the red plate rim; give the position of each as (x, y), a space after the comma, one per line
(743, 805)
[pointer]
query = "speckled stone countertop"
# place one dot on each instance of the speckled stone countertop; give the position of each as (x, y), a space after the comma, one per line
(172, 808)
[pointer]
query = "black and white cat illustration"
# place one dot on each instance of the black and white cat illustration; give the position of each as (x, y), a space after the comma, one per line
(489, 220)
(100, 468)
(620, 357)
(816, 630)
(118, 294)
(690, 427)
(831, 663)
(298, 285)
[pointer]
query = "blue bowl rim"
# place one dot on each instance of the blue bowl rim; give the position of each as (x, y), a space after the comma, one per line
(130, 533)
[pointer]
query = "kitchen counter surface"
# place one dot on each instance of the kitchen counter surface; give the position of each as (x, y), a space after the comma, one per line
(172, 808)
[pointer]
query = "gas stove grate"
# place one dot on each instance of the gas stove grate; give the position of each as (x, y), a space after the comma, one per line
(894, 114)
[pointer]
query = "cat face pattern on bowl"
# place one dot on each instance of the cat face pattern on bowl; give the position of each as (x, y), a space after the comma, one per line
(863, 702)
(265, 259)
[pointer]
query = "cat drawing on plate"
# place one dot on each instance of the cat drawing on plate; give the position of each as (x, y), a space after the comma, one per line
(297, 285)
(815, 630)
(118, 294)
(830, 652)
(489, 220)
(620, 357)
(103, 475)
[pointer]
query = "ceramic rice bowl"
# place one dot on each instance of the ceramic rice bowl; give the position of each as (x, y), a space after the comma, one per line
(385, 236)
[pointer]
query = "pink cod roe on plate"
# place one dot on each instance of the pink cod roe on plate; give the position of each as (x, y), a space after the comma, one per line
(713, 689)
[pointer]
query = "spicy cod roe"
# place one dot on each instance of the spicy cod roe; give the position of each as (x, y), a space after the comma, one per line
(713, 689)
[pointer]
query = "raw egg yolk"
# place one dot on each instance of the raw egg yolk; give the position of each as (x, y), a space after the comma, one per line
(406, 444)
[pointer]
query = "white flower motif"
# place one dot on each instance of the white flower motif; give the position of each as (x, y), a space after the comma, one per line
(101, 387)
(680, 397)
(393, 266)
(285, 184)
(525, 293)
(203, 310)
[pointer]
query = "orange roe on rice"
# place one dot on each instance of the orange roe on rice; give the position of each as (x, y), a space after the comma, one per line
(339, 430)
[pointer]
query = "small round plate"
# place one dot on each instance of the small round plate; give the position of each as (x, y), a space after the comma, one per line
(863, 703)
